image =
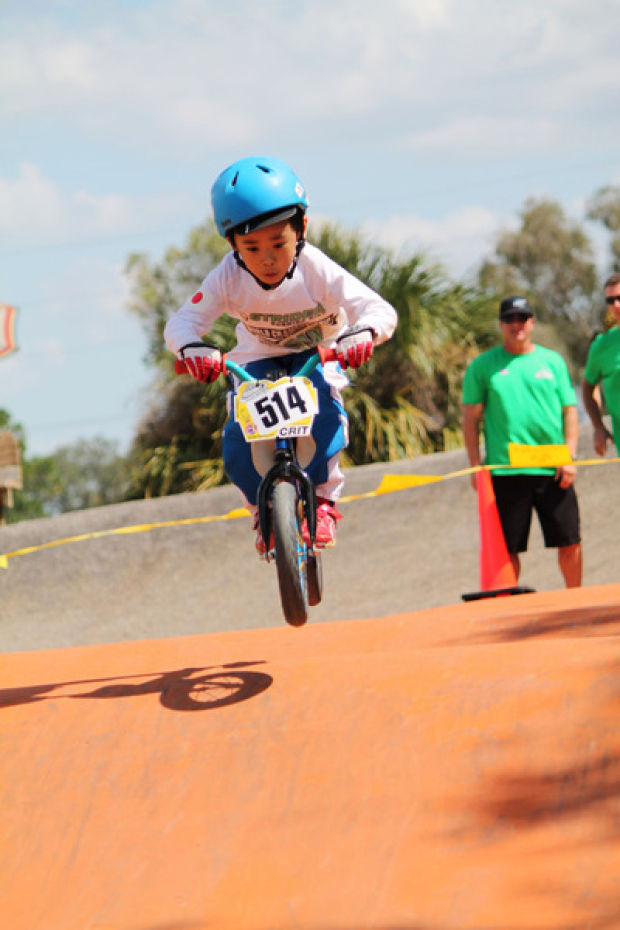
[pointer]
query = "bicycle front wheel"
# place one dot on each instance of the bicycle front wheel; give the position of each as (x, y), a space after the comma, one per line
(291, 553)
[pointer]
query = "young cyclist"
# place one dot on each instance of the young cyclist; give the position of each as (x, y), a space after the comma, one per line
(289, 298)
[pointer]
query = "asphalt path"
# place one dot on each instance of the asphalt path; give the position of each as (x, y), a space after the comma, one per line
(398, 552)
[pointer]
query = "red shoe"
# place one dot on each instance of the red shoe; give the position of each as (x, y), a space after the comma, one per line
(260, 542)
(326, 517)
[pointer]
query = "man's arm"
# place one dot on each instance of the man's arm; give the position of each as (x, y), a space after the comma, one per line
(592, 402)
(471, 420)
(566, 474)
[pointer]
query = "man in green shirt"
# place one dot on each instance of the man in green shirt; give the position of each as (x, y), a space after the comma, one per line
(603, 367)
(521, 393)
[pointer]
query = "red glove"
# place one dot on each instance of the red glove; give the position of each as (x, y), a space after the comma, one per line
(355, 346)
(203, 362)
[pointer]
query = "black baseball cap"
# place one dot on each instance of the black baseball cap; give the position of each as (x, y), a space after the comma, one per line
(511, 305)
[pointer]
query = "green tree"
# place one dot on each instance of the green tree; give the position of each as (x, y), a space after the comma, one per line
(88, 473)
(8, 423)
(177, 446)
(41, 483)
(604, 207)
(550, 260)
(38, 478)
(406, 400)
(159, 288)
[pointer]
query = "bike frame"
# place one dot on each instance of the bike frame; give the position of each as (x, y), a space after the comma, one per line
(285, 467)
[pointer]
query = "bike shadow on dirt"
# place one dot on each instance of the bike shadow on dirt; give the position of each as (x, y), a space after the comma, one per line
(184, 689)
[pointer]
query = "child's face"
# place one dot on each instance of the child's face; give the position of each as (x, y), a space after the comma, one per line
(268, 253)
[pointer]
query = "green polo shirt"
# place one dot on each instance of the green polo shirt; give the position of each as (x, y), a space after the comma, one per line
(523, 398)
(603, 365)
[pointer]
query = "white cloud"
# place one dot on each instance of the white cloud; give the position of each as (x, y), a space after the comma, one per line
(80, 309)
(427, 14)
(79, 357)
(35, 210)
(28, 203)
(459, 239)
(88, 300)
(471, 136)
(46, 68)
(190, 77)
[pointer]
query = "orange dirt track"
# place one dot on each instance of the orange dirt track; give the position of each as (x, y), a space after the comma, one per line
(453, 768)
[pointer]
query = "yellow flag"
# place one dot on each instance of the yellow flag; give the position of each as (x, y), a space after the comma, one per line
(522, 456)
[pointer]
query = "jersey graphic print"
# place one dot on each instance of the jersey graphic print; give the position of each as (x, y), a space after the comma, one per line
(302, 329)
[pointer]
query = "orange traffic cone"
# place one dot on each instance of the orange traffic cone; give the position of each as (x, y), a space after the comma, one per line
(496, 569)
(497, 574)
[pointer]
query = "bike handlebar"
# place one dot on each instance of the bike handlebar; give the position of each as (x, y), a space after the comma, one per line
(322, 355)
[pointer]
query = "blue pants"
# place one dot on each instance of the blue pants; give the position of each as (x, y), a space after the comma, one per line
(328, 428)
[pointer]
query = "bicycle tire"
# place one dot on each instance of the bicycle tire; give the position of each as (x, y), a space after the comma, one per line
(216, 690)
(315, 579)
(291, 553)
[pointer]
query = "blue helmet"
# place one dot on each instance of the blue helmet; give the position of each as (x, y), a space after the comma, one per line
(256, 192)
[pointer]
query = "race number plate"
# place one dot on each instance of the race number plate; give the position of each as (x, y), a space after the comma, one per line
(266, 409)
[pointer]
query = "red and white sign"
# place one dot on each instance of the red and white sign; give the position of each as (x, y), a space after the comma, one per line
(7, 329)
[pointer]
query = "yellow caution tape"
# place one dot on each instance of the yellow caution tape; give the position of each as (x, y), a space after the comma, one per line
(390, 483)
(121, 531)
(521, 456)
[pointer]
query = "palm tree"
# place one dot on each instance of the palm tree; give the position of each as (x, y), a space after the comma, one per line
(406, 400)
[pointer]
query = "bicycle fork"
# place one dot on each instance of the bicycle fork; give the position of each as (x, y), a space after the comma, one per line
(286, 468)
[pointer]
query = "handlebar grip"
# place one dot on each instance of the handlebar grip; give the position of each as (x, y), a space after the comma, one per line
(327, 355)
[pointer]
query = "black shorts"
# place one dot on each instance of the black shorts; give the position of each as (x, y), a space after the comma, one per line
(556, 507)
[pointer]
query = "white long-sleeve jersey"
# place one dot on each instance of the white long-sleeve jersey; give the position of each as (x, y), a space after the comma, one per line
(311, 308)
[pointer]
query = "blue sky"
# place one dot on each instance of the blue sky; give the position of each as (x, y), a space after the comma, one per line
(423, 123)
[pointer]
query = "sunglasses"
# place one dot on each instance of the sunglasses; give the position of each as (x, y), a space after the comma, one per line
(611, 300)
(515, 317)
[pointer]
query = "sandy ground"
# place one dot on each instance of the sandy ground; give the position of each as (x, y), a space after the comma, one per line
(456, 768)
(398, 552)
